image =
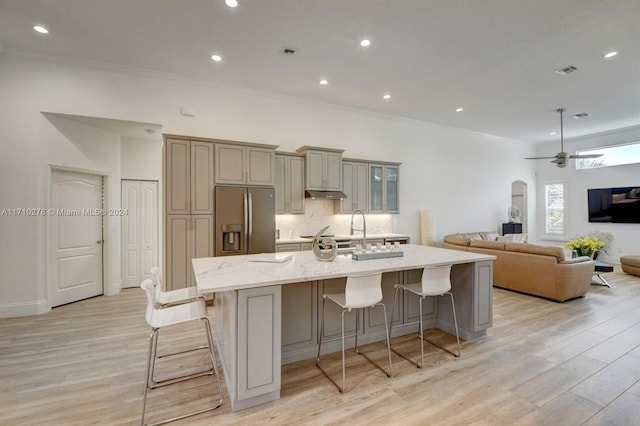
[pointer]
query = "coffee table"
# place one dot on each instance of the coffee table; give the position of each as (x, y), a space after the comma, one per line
(602, 267)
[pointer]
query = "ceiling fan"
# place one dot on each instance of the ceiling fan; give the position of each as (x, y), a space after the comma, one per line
(562, 158)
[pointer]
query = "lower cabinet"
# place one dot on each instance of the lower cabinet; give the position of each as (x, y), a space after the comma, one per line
(300, 316)
(187, 236)
(472, 287)
(302, 312)
(293, 247)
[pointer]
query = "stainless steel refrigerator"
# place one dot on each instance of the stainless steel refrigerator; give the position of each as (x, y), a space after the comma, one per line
(245, 220)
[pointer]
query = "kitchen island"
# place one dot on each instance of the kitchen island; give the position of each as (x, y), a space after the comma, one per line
(267, 313)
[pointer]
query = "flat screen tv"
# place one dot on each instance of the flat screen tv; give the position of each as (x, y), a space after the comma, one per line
(618, 205)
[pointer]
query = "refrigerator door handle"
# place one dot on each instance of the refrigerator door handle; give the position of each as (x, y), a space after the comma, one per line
(250, 217)
(245, 202)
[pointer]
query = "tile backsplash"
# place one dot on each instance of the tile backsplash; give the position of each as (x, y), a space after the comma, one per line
(319, 213)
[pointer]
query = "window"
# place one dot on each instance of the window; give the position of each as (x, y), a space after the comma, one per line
(554, 208)
(612, 156)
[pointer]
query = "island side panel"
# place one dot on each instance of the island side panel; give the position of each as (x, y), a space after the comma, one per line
(259, 344)
(472, 288)
(249, 340)
(227, 337)
(483, 314)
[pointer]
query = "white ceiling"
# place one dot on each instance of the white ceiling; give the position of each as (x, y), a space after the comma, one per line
(494, 58)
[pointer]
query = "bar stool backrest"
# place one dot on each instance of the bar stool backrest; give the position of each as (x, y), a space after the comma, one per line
(155, 271)
(436, 280)
(148, 287)
(362, 291)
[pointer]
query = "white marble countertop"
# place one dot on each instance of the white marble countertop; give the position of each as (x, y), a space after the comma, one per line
(358, 236)
(214, 274)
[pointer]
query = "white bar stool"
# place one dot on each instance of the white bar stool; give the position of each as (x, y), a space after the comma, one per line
(172, 297)
(166, 317)
(361, 291)
(436, 281)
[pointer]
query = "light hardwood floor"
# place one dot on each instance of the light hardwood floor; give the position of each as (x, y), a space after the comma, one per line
(541, 363)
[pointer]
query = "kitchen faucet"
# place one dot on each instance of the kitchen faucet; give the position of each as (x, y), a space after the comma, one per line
(364, 228)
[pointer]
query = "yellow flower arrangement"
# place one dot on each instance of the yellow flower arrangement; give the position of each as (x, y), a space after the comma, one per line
(585, 246)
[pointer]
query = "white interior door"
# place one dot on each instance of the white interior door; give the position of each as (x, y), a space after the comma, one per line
(75, 237)
(139, 230)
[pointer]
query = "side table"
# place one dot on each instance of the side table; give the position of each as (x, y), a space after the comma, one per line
(602, 267)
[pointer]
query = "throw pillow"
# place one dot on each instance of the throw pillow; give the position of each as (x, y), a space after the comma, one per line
(514, 238)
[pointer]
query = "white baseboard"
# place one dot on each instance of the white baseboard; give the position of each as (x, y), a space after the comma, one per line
(24, 309)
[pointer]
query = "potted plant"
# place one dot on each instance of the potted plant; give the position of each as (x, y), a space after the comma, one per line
(590, 244)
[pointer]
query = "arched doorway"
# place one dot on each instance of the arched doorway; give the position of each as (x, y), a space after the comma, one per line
(519, 199)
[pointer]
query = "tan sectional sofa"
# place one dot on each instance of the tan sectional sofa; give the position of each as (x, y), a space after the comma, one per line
(529, 268)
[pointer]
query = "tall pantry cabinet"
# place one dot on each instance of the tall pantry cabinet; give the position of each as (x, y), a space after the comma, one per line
(189, 209)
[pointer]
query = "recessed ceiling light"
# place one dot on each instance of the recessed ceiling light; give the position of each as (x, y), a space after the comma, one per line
(365, 43)
(40, 29)
(231, 3)
(459, 109)
(386, 96)
(216, 58)
(609, 55)
(323, 82)
(553, 134)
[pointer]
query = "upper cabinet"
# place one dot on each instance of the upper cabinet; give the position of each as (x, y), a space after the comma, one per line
(245, 165)
(324, 168)
(289, 183)
(355, 184)
(383, 188)
(189, 177)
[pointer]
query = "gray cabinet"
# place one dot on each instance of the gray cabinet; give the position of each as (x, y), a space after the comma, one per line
(323, 168)
(289, 183)
(383, 188)
(244, 165)
(355, 184)
(189, 228)
(187, 236)
(189, 177)
(300, 319)
(293, 247)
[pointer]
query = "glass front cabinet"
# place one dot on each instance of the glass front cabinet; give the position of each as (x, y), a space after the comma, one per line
(383, 188)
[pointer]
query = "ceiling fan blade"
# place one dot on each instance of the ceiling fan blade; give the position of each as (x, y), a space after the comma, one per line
(586, 156)
(540, 158)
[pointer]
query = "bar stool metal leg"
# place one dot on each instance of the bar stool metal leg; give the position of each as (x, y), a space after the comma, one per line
(357, 348)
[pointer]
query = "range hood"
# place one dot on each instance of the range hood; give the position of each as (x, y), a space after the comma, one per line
(325, 195)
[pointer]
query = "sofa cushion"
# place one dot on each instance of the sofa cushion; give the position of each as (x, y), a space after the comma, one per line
(489, 236)
(495, 245)
(474, 236)
(556, 252)
(630, 260)
(516, 238)
(457, 239)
